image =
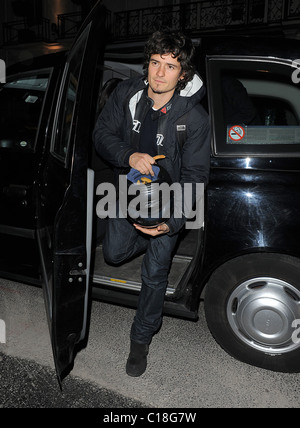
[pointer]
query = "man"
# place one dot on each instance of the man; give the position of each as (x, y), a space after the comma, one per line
(138, 123)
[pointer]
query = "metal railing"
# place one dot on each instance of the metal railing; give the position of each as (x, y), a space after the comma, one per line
(69, 23)
(18, 32)
(204, 16)
(193, 18)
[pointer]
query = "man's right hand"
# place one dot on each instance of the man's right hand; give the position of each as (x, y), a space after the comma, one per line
(142, 162)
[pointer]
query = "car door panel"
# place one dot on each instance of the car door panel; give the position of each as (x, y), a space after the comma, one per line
(63, 229)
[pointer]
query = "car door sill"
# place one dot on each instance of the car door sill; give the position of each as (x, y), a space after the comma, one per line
(128, 275)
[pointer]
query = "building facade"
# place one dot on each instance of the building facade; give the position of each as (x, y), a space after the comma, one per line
(34, 27)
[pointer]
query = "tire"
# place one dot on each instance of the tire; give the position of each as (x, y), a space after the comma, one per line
(252, 308)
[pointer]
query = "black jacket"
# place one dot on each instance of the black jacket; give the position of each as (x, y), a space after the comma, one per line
(116, 132)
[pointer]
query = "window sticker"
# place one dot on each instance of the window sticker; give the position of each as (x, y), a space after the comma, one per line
(263, 135)
(236, 133)
(31, 99)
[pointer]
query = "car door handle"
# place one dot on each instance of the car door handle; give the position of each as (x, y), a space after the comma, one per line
(77, 272)
(16, 191)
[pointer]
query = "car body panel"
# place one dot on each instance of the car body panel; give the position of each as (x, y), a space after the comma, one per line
(251, 210)
(62, 227)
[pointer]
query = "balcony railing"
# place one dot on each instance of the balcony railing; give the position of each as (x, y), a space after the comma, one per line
(193, 18)
(18, 32)
(205, 16)
(69, 23)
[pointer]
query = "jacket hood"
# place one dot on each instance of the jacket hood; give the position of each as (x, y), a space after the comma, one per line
(192, 87)
(192, 94)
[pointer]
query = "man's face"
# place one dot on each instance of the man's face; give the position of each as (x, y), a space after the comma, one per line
(164, 72)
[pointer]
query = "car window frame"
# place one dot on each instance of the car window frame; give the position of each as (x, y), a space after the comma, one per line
(214, 66)
(61, 102)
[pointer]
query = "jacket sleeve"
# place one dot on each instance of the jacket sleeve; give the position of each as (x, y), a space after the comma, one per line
(108, 136)
(195, 167)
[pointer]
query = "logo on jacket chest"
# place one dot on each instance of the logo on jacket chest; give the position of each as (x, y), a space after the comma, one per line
(159, 140)
(137, 126)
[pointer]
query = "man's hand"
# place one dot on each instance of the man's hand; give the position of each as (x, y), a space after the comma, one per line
(159, 230)
(142, 162)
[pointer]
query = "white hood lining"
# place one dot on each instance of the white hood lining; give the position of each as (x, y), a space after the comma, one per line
(192, 87)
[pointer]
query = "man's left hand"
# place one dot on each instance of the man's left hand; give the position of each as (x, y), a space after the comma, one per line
(159, 230)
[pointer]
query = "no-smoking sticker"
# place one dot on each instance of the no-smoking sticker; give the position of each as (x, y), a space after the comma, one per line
(236, 133)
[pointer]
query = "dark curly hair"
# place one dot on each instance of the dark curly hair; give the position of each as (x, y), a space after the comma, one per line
(164, 42)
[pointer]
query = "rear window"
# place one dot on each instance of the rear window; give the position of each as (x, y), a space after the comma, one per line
(21, 105)
(256, 107)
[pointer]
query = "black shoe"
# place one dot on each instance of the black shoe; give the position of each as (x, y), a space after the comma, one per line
(137, 360)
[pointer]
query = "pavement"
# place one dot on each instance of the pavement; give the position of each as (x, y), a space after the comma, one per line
(26, 384)
(186, 368)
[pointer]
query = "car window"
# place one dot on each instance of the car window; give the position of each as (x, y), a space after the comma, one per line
(113, 73)
(21, 105)
(121, 70)
(65, 112)
(256, 107)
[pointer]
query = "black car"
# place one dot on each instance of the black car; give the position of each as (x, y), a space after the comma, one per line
(244, 262)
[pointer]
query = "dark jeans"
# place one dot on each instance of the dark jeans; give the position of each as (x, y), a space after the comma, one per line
(122, 241)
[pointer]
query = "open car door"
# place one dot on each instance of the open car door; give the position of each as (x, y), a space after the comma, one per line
(64, 195)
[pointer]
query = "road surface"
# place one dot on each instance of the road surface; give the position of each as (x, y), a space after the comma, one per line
(186, 369)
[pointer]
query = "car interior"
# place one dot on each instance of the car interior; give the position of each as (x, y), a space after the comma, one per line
(265, 102)
(128, 275)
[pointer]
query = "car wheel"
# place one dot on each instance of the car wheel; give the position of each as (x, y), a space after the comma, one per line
(252, 307)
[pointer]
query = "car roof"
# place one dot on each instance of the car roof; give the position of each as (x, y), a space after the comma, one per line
(278, 47)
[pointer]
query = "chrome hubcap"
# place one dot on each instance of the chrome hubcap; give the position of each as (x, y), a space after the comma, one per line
(261, 313)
